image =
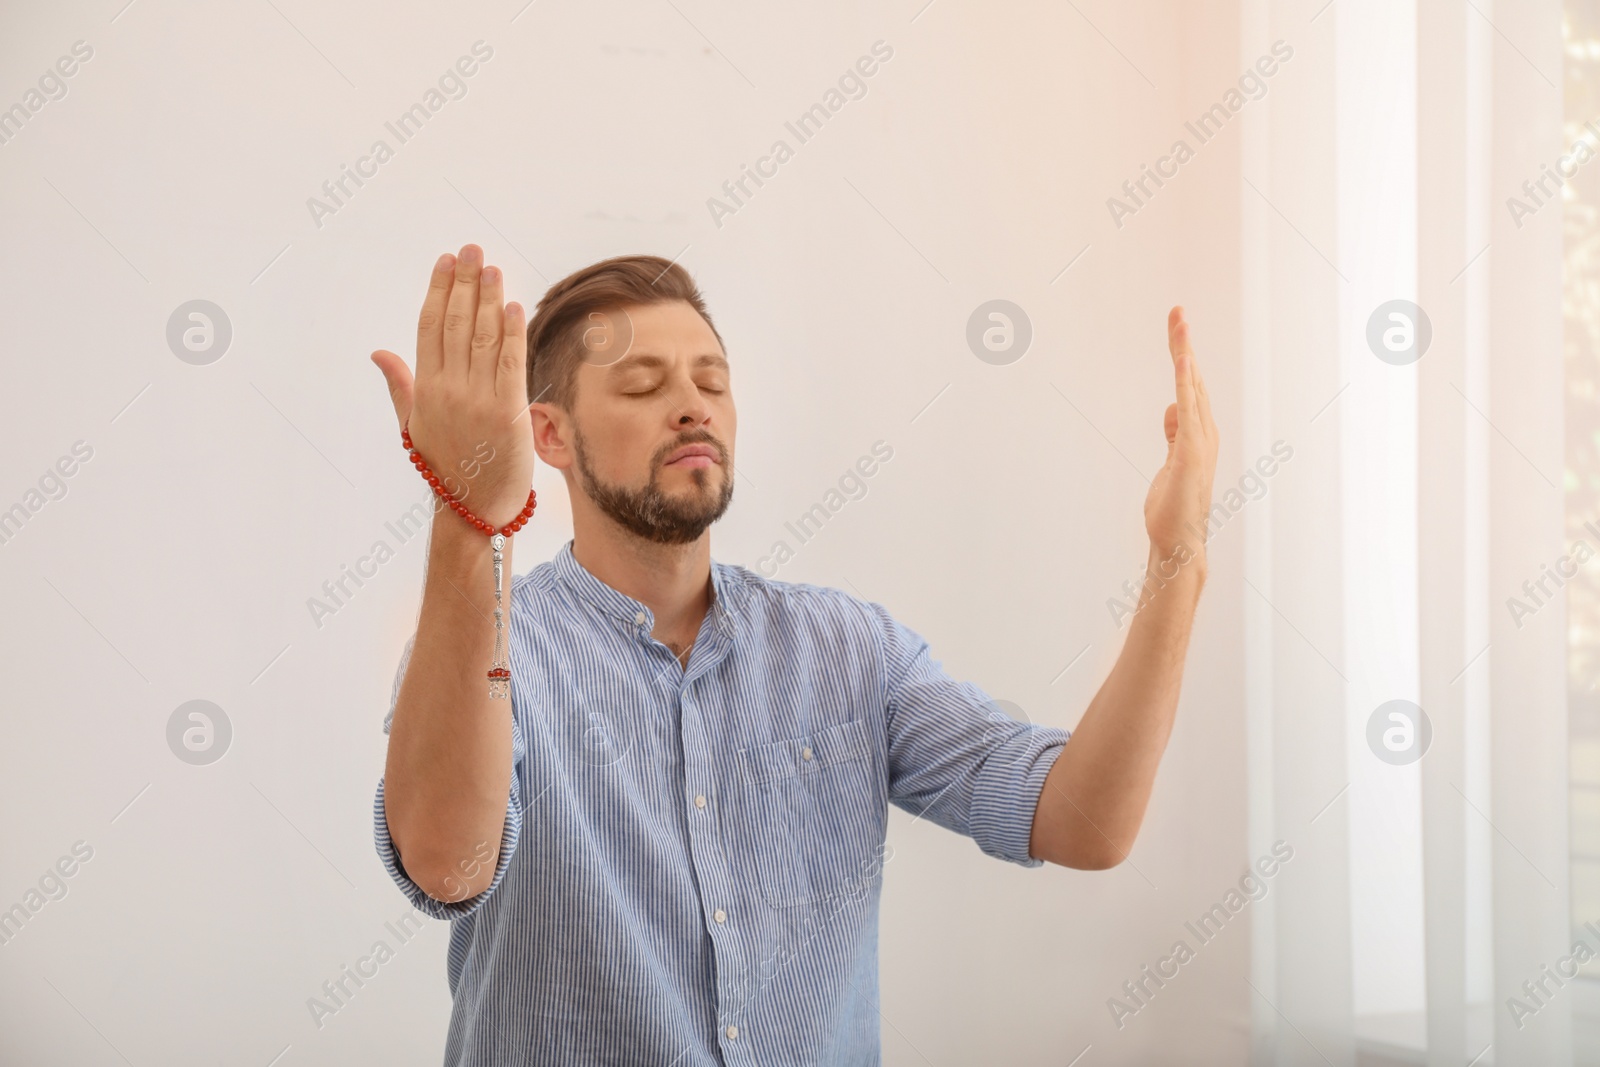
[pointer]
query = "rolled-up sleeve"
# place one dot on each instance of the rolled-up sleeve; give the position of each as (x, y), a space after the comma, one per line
(440, 909)
(957, 757)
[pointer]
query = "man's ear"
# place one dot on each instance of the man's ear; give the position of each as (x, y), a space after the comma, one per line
(551, 435)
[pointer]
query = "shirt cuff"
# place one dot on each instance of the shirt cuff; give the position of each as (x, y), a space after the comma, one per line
(1006, 793)
(440, 909)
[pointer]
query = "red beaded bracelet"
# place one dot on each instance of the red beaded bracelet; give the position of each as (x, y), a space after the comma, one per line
(499, 672)
(449, 498)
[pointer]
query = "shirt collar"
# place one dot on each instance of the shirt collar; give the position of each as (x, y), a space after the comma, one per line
(636, 614)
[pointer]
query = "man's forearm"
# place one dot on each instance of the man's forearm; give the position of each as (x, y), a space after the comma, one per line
(1094, 798)
(447, 778)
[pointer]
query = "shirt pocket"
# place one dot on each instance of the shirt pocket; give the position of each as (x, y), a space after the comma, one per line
(812, 814)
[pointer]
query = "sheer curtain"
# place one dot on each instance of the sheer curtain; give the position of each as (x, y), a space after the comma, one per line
(1423, 895)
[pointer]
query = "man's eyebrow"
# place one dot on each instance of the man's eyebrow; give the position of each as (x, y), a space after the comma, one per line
(636, 361)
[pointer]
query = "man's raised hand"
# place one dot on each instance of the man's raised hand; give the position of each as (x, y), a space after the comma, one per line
(467, 407)
(1176, 509)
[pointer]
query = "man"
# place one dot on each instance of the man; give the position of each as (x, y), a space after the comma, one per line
(666, 847)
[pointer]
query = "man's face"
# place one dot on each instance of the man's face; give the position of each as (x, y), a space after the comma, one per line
(634, 414)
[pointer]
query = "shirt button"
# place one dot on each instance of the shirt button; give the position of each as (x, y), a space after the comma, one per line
(720, 915)
(733, 1031)
(639, 618)
(805, 753)
(700, 801)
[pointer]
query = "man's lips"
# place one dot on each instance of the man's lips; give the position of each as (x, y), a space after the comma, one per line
(694, 456)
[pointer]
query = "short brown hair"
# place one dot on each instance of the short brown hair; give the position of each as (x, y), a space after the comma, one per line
(555, 333)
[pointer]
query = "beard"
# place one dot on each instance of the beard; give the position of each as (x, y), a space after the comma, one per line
(650, 512)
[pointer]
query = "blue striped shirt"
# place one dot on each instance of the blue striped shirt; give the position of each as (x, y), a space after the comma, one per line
(691, 863)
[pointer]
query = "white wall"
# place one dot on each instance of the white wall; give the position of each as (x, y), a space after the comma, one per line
(180, 562)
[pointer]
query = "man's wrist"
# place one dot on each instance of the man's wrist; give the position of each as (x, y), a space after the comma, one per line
(456, 539)
(1182, 563)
